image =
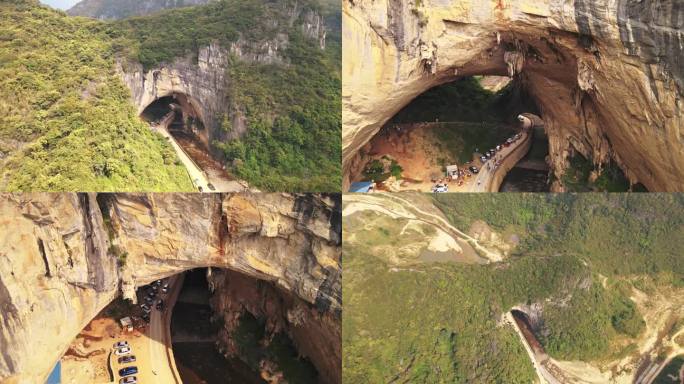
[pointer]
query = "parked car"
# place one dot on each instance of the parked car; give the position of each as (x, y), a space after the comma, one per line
(145, 307)
(122, 351)
(484, 159)
(126, 359)
(474, 169)
(165, 288)
(128, 380)
(211, 186)
(498, 148)
(120, 344)
(128, 371)
(440, 188)
(160, 305)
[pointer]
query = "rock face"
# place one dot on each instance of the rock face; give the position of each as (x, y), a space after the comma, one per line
(63, 262)
(203, 84)
(200, 82)
(313, 328)
(119, 9)
(606, 75)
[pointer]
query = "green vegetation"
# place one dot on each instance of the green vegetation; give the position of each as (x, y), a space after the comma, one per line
(71, 125)
(293, 110)
(465, 100)
(375, 170)
(596, 227)
(67, 122)
(576, 178)
(580, 257)
(460, 140)
(249, 337)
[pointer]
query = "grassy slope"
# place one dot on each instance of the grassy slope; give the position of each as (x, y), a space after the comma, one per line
(293, 111)
(59, 95)
(442, 317)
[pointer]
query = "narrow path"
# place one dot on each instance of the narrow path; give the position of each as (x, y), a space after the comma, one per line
(542, 374)
(373, 202)
(198, 177)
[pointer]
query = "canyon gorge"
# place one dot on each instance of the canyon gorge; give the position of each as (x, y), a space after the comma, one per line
(606, 76)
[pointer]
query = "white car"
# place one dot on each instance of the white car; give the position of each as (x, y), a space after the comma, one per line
(120, 344)
(122, 351)
(128, 380)
(440, 188)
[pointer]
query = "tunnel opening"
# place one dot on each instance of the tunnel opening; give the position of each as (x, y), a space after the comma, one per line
(178, 118)
(204, 325)
(525, 325)
(451, 132)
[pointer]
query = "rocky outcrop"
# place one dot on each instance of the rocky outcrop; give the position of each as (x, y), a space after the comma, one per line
(66, 256)
(314, 329)
(200, 85)
(119, 9)
(200, 82)
(606, 75)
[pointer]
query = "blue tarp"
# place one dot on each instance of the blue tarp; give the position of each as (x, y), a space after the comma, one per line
(361, 186)
(56, 375)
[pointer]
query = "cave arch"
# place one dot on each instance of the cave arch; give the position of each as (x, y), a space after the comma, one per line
(594, 99)
(188, 116)
(102, 246)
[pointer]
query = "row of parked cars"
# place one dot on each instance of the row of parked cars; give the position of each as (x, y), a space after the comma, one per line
(125, 353)
(152, 298)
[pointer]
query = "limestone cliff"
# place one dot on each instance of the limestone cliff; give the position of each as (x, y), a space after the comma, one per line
(65, 257)
(201, 78)
(607, 76)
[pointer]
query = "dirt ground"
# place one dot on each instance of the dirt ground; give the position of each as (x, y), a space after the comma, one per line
(87, 359)
(417, 151)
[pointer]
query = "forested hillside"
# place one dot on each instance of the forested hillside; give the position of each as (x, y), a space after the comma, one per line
(579, 258)
(119, 9)
(71, 125)
(293, 109)
(67, 122)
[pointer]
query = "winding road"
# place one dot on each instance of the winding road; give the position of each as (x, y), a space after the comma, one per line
(489, 180)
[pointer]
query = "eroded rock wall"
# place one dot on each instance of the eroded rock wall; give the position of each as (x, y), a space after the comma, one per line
(55, 275)
(606, 75)
(202, 77)
(48, 293)
(313, 329)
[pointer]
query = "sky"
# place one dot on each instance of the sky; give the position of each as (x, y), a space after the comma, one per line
(61, 4)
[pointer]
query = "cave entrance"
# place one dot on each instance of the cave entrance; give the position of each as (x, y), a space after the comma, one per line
(179, 116)
(525, 325)
(458, 136)
(228, 327)
(221, 326)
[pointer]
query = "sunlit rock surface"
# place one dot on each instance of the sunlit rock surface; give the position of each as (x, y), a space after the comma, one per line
(608, 76)
(66, 256)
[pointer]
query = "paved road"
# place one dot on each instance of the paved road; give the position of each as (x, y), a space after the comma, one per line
(544, 376)
(199, 178)
(483, 180)
(161, 361)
